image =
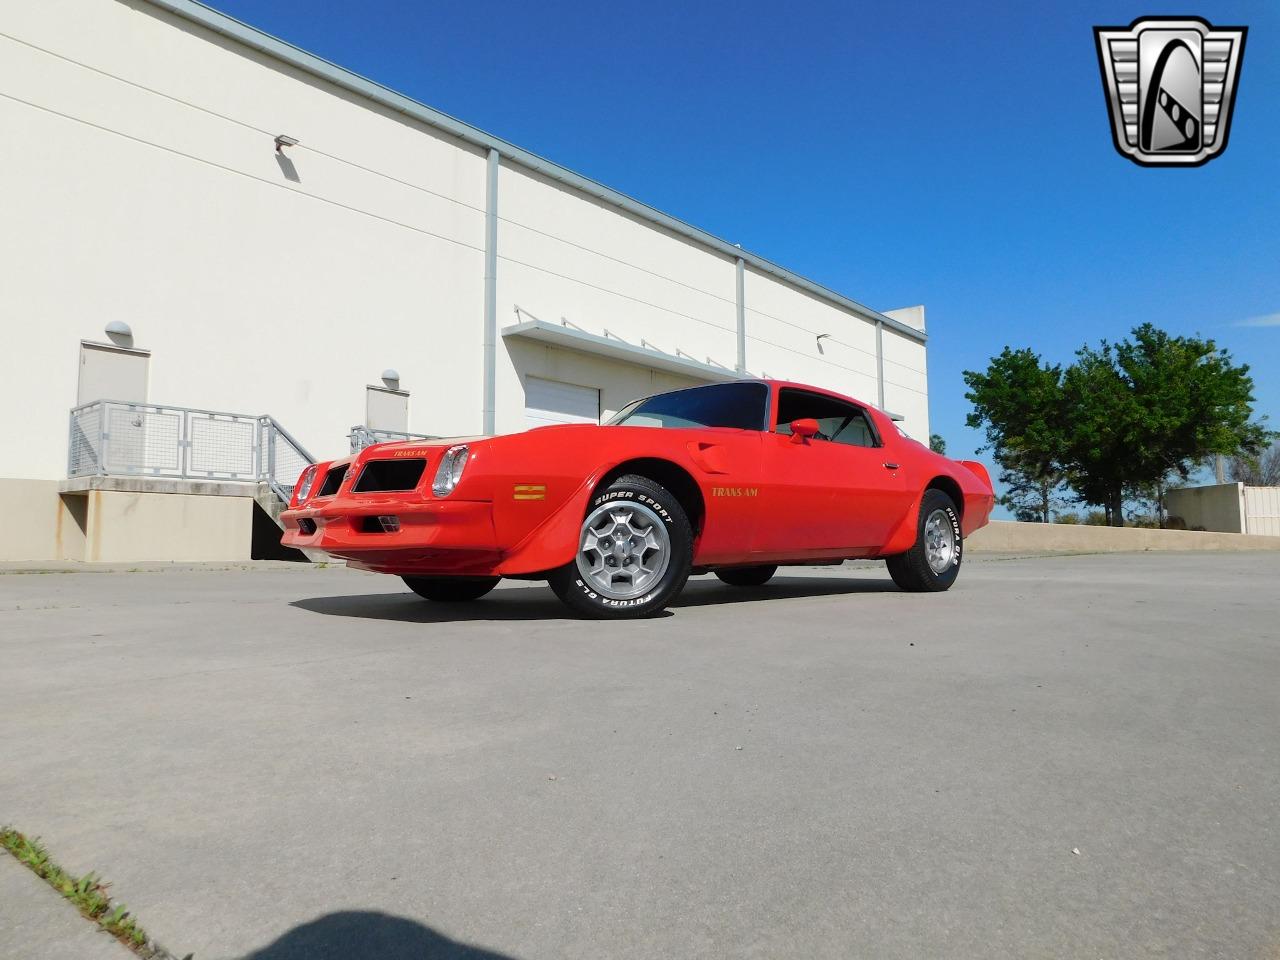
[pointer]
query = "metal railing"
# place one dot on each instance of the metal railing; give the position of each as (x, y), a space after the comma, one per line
(114, 438)
(362, 436)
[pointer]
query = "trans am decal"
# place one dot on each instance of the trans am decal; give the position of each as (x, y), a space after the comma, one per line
(735, 491)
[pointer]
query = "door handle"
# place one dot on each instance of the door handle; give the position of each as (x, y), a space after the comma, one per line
(891, 466)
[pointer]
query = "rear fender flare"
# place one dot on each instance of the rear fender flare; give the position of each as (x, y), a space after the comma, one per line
(903, 537)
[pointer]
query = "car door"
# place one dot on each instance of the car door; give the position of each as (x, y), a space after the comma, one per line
(831, 495)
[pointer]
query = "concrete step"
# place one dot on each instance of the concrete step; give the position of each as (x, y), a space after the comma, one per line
(272, 506)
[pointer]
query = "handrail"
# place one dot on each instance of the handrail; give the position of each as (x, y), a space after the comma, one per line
(362, 436)
(126, 438)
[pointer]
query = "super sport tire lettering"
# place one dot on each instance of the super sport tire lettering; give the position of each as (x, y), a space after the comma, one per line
(911, 570)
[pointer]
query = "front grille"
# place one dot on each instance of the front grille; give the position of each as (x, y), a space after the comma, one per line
(333, 480)
(387, 475)
(380, 525)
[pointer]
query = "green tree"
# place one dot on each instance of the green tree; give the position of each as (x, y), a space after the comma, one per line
(1018, 401)
(937, 444)
(1033, 499)
(1151, 408)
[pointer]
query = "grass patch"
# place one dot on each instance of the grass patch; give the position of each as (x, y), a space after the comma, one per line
(88, 893)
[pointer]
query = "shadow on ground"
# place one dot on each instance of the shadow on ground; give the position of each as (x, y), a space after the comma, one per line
(537, 602)
(368, 935)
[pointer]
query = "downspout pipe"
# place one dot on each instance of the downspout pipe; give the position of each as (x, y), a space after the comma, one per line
(880, 363)
(742, 319)
(489, 408)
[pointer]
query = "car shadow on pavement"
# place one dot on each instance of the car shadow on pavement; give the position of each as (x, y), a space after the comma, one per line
(705, 591)
(509, 603)
(366, 935)
(537, 602)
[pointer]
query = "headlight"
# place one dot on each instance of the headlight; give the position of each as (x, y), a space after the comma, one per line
(304, 483)
(450, 470)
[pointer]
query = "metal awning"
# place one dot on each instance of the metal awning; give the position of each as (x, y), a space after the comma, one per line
(572, 338)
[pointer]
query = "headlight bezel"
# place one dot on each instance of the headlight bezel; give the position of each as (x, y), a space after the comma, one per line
(306, 482)
(449, 472)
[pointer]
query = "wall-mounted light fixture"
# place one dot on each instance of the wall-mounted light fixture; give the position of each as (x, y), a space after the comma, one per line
(119, 333)
(820, 337)
(283, 141)
(391, 378)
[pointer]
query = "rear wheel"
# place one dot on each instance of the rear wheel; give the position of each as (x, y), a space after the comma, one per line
(451, 589)
(747, 576)
(933, 563)
(635, 548)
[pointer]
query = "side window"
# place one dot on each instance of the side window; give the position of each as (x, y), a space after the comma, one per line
(838, 422)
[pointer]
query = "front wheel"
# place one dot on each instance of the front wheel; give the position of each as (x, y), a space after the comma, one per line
(635, 548)
(933, 563)
(747, 576)
(451, 589)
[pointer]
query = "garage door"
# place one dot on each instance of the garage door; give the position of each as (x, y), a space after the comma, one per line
(549, 401)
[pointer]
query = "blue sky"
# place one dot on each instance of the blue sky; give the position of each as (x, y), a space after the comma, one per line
(901, 154)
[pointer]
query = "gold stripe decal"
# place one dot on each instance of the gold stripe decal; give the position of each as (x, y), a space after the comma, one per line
(529, 491)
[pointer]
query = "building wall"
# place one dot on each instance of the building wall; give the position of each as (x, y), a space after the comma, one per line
(151, 192)
(783, 324)
(158, 199)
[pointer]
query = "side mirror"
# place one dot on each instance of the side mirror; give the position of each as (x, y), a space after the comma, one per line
(803, 429)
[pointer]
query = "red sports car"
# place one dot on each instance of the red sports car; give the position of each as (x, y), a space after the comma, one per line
(734, 478)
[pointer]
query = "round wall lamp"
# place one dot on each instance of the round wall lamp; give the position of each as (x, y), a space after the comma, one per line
(391, 378)
(119, 333)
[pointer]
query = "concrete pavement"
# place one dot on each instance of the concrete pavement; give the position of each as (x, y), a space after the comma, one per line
(35, 921)
(287, 764)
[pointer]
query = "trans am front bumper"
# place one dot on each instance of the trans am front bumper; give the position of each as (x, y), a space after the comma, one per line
(399, 535)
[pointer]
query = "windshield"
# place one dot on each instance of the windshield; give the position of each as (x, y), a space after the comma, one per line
(741, 405)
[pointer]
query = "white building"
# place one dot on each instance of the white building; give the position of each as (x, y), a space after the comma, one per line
(144, 186)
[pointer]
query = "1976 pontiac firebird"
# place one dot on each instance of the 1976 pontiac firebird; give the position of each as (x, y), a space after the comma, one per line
(734, 478)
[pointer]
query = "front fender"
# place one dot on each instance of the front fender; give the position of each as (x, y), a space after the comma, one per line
(553, 542)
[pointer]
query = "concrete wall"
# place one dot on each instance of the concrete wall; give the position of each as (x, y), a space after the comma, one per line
(151, 192)
(32, 520)
(1003, 536)
(1218, 507)
(39, 523)
(126, 527)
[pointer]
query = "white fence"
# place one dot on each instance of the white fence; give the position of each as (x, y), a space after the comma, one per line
(1262, 511)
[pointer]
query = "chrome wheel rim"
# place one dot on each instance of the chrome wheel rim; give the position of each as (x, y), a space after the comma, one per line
(624, 550)
(939, 541)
